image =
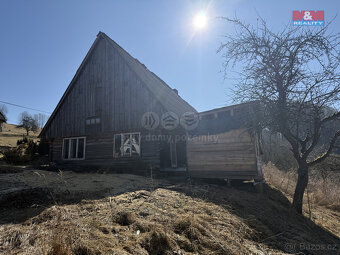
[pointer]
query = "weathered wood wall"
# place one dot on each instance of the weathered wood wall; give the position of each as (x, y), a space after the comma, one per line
(109, 89)
(99, 151)
(106, 88)
(226, 155)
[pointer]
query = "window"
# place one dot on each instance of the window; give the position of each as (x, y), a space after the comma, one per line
(74, 148)
(127, 144)
(92, 121)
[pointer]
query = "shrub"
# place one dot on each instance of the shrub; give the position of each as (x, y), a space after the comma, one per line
(32, 148)
(24, 152)
(15, 156)
(24, 140)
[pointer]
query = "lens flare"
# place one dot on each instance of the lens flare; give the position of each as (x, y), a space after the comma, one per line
(200, 20)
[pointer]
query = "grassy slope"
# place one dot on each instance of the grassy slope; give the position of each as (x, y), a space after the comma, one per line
(11, 133)
(127, 214)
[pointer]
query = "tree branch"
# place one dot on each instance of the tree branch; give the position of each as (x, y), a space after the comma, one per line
(328, 152)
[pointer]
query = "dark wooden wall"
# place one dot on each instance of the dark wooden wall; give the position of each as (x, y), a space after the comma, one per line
(107, 88)
(99, 151)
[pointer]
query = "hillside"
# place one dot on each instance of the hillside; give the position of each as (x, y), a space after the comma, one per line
(11, 134)
(99, 213)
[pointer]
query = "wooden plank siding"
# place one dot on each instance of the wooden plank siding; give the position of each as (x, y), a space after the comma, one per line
(106, 87)
(99, 151)
(124, 98)
(227, 155)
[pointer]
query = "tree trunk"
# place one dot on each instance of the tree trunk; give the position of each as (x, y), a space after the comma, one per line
(300, 187)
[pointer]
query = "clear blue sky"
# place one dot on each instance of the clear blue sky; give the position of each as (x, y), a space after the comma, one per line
(43, 43)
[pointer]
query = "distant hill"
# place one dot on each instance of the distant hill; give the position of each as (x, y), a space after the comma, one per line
(11, 133)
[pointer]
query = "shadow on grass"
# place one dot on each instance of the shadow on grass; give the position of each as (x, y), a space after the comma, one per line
(270, 214)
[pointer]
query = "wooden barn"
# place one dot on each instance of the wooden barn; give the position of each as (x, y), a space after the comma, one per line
(117, 113)
(2, 120)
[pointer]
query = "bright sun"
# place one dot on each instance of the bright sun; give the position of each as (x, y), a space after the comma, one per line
(200, 20)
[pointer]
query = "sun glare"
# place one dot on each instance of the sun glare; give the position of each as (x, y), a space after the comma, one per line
(200, 20)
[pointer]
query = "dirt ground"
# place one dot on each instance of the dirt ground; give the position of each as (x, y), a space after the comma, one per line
(65, 212)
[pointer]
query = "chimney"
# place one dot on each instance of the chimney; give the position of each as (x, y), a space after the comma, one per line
(176, 91)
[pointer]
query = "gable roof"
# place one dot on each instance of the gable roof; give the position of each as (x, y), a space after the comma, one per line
(163, 92)
(2, 117)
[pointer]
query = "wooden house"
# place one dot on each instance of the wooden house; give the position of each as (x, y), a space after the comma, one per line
(117, 113)
(110, 114)
(2, 120)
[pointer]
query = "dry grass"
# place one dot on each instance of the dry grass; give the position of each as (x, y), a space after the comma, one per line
(181, 218)
(321, 199)
(164, 222)
(320, 191)
(11, 134)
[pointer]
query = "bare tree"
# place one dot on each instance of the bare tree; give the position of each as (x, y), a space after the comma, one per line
(40, 119)
(28, 122)
(4, 110)
(295, 75)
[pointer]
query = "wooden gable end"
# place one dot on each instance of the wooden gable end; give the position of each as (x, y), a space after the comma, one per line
(105, 88)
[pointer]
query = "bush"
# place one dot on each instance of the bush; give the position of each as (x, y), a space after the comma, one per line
(32, 148)
(23, 153)
(22, 141)
(15, 156)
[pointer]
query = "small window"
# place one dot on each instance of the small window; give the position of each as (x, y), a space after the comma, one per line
(74, 148)
(126, 144)
(92, 121)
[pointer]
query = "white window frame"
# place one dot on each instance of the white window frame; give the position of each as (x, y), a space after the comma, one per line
(121, 145)
(69, 148)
